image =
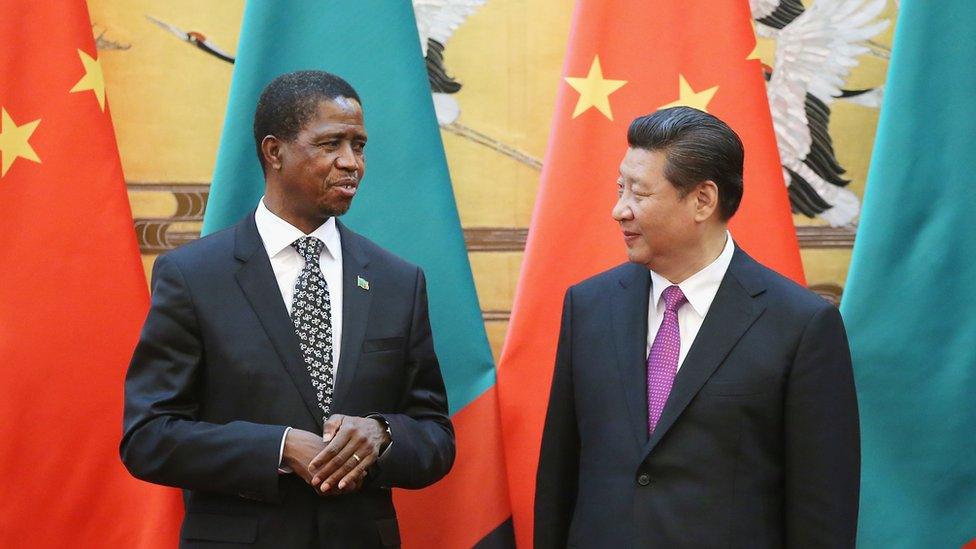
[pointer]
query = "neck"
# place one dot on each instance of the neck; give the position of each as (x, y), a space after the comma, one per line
(280, 207)
(695, 256)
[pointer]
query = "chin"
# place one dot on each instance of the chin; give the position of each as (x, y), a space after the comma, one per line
(334, 210)
(636, 257)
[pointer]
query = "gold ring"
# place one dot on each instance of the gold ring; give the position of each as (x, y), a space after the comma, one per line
(357, 458)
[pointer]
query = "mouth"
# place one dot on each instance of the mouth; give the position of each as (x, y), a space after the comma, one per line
(630, 236)
(346, 187)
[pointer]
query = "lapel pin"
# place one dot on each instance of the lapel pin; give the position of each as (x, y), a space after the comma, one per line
(362, 283)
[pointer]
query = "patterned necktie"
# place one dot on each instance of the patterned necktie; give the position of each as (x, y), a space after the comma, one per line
(312, 314)
(662, 362)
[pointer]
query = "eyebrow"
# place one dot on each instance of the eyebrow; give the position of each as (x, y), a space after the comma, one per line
(640, 185)
(330, 132)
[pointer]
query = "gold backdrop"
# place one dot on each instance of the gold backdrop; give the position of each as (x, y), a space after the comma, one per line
(168, 99)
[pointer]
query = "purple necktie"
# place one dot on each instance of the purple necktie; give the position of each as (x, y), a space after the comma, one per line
(662, 362)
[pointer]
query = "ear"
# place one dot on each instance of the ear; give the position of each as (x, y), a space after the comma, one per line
(271, 149)
(705, 196)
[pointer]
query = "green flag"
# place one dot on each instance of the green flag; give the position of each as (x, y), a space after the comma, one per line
(910, 303)
(405, 203)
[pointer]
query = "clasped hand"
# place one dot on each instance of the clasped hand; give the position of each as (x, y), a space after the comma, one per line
(336, 462)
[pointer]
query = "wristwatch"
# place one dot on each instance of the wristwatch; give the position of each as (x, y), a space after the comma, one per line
(389, 433)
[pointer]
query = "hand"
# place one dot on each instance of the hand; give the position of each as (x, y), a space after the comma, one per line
(353, 444)
(300, 447)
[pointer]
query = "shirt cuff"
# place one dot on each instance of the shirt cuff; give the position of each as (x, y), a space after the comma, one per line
(283, 469)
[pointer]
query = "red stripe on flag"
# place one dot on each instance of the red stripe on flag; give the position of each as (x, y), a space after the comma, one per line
(72, 300)
(472, 500)
(660, 49)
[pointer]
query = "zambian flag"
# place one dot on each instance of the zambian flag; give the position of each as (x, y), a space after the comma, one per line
(910, 304)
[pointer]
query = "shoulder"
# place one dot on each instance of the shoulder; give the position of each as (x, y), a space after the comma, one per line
(379, 258)
(591, 294)
(779, 293)
(621, 274)
(203, 256)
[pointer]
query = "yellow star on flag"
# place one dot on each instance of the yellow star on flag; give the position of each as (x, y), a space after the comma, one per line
(93, 80)
(14, 141)
(594, 90)
(687, 97)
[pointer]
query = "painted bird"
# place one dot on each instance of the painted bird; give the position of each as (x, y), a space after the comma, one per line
(436, 22)
(816, 48)
(195, 38)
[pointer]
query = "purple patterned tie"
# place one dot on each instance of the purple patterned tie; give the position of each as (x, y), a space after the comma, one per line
(662, 362)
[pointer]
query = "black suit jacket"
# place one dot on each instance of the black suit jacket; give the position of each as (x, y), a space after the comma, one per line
(757, 446)
(218, 375)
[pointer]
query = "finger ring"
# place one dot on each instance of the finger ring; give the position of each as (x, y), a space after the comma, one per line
(357, 458)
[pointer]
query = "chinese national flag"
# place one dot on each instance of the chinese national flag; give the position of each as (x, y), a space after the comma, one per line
(72, 296)
(626, 59)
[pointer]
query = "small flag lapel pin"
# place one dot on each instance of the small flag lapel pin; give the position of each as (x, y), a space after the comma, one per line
(363, 283)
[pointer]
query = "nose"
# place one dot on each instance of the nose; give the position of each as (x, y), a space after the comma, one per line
(346, 159)
(621, 211)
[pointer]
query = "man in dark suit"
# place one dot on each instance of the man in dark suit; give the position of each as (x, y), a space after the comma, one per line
(699, 399)
(285, 377)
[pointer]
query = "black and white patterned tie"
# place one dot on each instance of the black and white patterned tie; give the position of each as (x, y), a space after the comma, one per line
(311, 312)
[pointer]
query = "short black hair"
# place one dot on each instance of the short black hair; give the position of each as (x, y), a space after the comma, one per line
(289, 101)
(698, 147)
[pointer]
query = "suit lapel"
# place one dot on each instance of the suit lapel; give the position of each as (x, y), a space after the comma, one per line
(732, 313)
(629, 301)
(355, 312)
(257, 280)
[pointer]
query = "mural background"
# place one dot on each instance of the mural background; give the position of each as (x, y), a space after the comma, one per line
(168, 102)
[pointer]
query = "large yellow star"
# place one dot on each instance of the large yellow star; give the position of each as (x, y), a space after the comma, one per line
(594, 90)
(93, 80)
(14, 141)
(688, 97)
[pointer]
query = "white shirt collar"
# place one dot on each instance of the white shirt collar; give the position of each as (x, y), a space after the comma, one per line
(701, 287)
(278, 234)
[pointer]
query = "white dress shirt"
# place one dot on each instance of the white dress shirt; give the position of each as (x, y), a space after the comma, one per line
(700, 289)
(277, 235)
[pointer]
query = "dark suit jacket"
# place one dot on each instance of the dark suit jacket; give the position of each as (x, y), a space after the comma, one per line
(218, 375)
(757, 446)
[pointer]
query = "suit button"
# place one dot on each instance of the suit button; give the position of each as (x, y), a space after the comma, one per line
(644, 479)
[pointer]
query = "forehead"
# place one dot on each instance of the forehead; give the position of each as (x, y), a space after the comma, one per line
(642, 164)
(340, 114)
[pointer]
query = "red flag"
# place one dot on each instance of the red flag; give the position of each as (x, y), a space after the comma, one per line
(626, 59)
(72, 298)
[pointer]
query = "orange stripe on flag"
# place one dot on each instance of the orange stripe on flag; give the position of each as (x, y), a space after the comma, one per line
(472, 500)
